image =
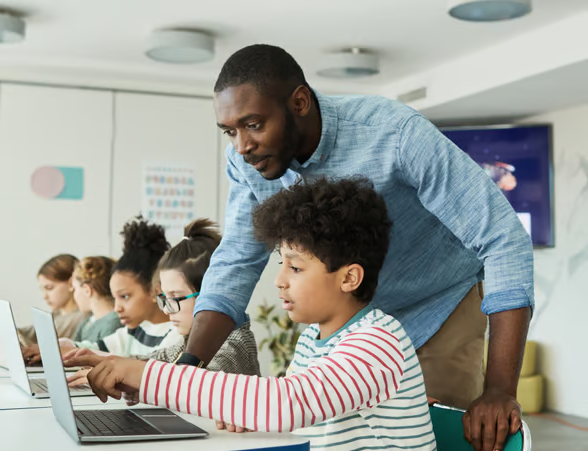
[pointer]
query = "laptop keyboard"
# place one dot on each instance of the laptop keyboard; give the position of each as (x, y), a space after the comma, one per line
(40, 386)
(114, 422)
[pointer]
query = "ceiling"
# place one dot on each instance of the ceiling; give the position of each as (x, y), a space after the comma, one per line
(108, 36)
(554, 90)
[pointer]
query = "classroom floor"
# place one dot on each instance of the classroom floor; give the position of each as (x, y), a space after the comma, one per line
(549, 435)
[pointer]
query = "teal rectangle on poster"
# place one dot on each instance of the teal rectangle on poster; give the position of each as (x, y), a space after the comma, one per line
(74, 183)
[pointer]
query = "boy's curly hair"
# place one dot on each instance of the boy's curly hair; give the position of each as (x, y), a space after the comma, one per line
(341, 222)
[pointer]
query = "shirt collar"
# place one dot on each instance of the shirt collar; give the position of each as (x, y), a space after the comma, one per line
(329, 123)
(359, 315)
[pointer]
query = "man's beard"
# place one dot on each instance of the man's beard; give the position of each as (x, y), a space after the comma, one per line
(290, 143)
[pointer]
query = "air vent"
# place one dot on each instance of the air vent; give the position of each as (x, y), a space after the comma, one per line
(413, 96)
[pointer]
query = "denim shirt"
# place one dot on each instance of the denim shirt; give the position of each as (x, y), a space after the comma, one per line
(452, 227)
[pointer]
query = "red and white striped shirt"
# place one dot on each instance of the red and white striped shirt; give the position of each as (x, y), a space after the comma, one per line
(336, 384)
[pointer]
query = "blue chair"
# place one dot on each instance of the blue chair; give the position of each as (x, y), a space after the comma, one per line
(448, 430)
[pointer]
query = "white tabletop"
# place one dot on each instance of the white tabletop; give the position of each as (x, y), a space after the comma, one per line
(13, 397)
(38, 429)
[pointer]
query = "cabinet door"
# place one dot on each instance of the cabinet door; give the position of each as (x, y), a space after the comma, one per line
(59, 127)
(166, 129)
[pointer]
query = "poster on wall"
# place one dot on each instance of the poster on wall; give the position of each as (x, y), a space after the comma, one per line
(168, 195)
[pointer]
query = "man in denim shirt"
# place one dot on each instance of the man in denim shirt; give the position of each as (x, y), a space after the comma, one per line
(452, 228)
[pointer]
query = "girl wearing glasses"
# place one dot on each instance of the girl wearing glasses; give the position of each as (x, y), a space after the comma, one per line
(179, 275)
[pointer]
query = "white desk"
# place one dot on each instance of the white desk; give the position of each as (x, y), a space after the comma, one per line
(38, 429)
(12, 397)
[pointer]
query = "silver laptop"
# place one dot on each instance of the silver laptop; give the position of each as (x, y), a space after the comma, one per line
(102, 425)
(15, 361)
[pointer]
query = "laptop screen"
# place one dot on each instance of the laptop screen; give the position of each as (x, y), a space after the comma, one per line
(11, 348)
(54, 372)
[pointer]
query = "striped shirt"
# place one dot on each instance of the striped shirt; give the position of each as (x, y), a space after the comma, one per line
(360, 389)
(145, 338)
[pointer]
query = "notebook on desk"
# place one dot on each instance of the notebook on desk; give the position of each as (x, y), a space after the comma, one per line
(15, 362)
(102, 425)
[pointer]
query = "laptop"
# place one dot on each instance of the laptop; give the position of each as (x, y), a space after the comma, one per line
(119, 425)
(15, 361)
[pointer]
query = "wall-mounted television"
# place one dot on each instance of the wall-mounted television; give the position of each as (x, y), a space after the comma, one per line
(519, 160)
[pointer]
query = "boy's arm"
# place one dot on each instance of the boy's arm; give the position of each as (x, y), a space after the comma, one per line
(362, 371)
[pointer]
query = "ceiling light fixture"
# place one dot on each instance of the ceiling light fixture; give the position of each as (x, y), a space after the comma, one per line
(12, 28)
(180, 46)
(350, 63)
(489, 10)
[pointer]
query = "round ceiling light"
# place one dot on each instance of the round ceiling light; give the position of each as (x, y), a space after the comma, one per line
(489, 10)
(180, 46)
(352, 63)
(12, 29)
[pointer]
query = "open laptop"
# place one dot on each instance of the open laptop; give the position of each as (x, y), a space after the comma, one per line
(15, 361)
(102, 425)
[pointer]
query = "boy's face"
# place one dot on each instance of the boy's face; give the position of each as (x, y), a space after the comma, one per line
(309, 293)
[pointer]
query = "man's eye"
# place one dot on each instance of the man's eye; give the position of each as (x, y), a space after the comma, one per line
(254, 126)
(231, 133)
(295, 269)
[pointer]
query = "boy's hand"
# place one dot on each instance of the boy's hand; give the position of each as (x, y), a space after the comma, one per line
(112, 375)
(220, 425)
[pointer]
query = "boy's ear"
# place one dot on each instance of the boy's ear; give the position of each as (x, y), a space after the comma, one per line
(352, 278)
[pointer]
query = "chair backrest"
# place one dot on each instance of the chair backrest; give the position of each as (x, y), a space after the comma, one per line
(448, 430)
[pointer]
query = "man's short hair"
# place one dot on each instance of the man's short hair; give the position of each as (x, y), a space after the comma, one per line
(340, 222)
(270, 69)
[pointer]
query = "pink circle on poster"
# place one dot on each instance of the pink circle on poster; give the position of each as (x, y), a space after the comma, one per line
(47, 182)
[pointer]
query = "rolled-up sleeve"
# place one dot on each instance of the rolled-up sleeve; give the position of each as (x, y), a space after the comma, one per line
(238, 262)
(459, 193)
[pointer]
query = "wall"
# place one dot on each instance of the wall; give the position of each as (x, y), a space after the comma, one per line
(559, 323)
(109, 134)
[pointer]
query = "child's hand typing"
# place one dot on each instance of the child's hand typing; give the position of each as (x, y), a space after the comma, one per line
(111, 376)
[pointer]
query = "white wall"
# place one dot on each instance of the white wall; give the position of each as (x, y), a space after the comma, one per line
(559, 324)
(162, 128)
(41, 126)
(110, 135)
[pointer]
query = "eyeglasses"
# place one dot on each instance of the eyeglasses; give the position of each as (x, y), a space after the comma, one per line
(173, 304)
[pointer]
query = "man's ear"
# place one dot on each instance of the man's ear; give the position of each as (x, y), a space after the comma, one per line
(301, 101)
(352, 277)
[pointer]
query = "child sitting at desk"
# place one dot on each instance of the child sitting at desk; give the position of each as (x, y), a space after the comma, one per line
(179, 274)
(55, 280)
(146, 327)
(91, 278)
(355, 381)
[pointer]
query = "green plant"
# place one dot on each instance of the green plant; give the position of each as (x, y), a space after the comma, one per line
(281, 343)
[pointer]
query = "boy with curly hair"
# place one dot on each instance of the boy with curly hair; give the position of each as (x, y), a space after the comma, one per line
(355, 382)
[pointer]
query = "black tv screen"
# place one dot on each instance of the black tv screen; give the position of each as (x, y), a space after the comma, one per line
(519, 161)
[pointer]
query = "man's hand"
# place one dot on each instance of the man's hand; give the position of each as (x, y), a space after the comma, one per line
(490, 419)
(112, 376)
(496, 414)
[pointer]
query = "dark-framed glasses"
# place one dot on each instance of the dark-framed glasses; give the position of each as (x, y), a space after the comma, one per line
(172, 304)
